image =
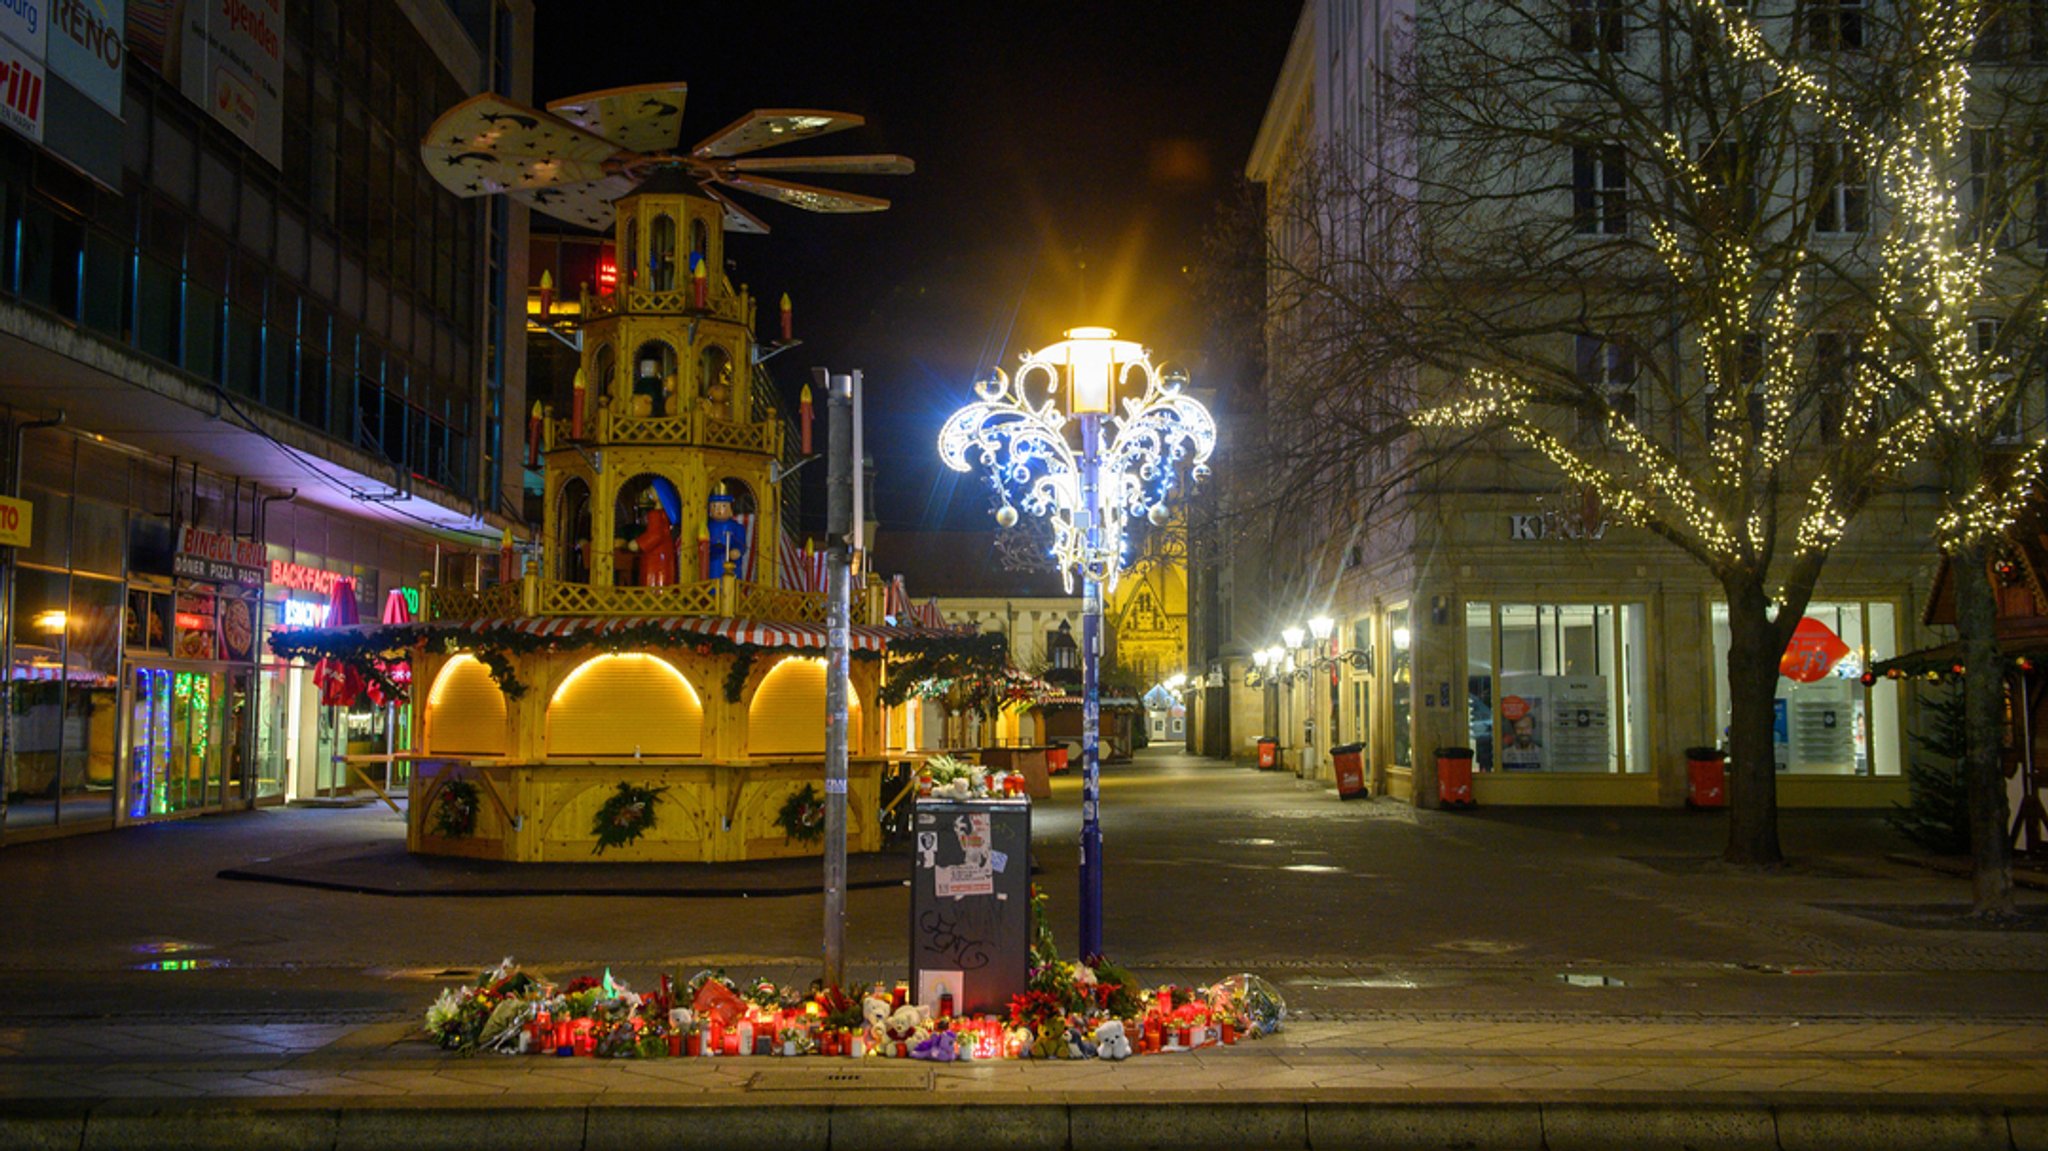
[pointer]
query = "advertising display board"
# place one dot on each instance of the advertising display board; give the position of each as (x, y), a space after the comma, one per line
(970, 903)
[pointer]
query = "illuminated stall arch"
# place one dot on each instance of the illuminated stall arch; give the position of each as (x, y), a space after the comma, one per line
(466, 711)
(615, 704)
(787, 716)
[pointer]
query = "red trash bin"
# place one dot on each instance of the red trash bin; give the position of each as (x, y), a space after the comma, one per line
(1349, 759)
(1269, 753)
(1454, 776)
(1056, 759)
(1706, 777)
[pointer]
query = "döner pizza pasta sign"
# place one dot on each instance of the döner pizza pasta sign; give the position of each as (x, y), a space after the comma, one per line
(211, 556)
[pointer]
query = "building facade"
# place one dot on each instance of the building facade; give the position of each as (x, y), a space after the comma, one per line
(248, 350)
(1483, 601)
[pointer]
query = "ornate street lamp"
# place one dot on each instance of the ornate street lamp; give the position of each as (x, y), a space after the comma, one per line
(1088, 490)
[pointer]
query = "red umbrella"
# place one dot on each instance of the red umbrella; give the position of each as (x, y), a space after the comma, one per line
(339, 683)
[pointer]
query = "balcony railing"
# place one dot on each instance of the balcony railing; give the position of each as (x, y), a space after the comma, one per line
(697, 429)
(728, 598)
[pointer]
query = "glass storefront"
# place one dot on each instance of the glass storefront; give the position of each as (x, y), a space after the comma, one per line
(1401, 685)
(1828, 722)
(1557, 687)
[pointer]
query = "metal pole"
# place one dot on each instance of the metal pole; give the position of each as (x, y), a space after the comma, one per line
(1091, 703)
(839, 521)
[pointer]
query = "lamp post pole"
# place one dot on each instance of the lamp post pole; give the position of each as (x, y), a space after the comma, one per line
(1091, 692)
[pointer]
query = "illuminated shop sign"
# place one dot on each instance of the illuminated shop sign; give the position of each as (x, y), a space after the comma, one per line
(299, 577)
(304, 613)
(215, 558)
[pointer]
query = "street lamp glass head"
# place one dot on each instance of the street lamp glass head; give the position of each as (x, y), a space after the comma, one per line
(1177, 682)
(1320, 627)
(1261, 657)
(1401, 638)
(1292, 636)
(1093, 358)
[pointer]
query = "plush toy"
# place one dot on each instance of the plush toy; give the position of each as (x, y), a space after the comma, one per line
(874, 1013)
(1111, 1042)
(904, 1029)
(1051, 1042)
(1078, 1046)
(940, 1046)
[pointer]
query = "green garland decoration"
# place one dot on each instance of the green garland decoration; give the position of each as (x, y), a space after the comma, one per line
(497, 648)
(980, 657)
(624, 817)
(455, 809)
(802, 818)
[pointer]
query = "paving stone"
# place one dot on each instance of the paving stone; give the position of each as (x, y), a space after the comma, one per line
(415, 1125)
(141, 1126)
(42, 1127)
(1185, 1126)
(749, 1127)
(1425, 1126)
(1672, 1126)
(1873, 1128)
(982, 1126)
(2029, 1129)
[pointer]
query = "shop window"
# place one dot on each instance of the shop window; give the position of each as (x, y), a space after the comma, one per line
(787, 714)
(1360, 727)
(622, 705)
(50, 540)
(41, 619)
(1827, 721)
(1401, 685)
(91, 700)
(466, 711)
(1556, 687)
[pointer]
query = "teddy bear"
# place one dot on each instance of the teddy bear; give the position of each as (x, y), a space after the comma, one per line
(1111, 1042)
(874, 1014)
(903, 1030)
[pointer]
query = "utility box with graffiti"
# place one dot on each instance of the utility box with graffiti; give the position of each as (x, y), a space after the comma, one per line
(970, 904)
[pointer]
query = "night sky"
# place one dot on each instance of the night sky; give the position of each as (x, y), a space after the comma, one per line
(1069, 158)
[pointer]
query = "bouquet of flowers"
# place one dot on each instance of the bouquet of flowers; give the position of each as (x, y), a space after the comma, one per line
(486, 1014)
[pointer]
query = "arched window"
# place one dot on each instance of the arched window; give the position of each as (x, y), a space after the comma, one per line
(572, 520)
(606, 363)
(632, 253)
(661, 253)
(787, 716)
(466, 711)
(715, 380)
(654, 373)
(644, 554)
(615, 705)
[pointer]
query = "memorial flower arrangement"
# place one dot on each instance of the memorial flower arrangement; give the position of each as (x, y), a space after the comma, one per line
(1071, 1010)
(624, 817)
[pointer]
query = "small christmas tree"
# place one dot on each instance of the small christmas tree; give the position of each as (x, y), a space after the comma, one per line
(1936, 812)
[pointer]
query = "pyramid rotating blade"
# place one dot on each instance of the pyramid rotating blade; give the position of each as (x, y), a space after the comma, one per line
(767, 127)
(806, 196)
(855, 165)
(737, 219)
(639, 118)
(584, 205)
(489, 144)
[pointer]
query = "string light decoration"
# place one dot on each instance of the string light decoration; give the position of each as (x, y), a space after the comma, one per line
(1933, 267)
(1925, 382)
(1160, 432)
